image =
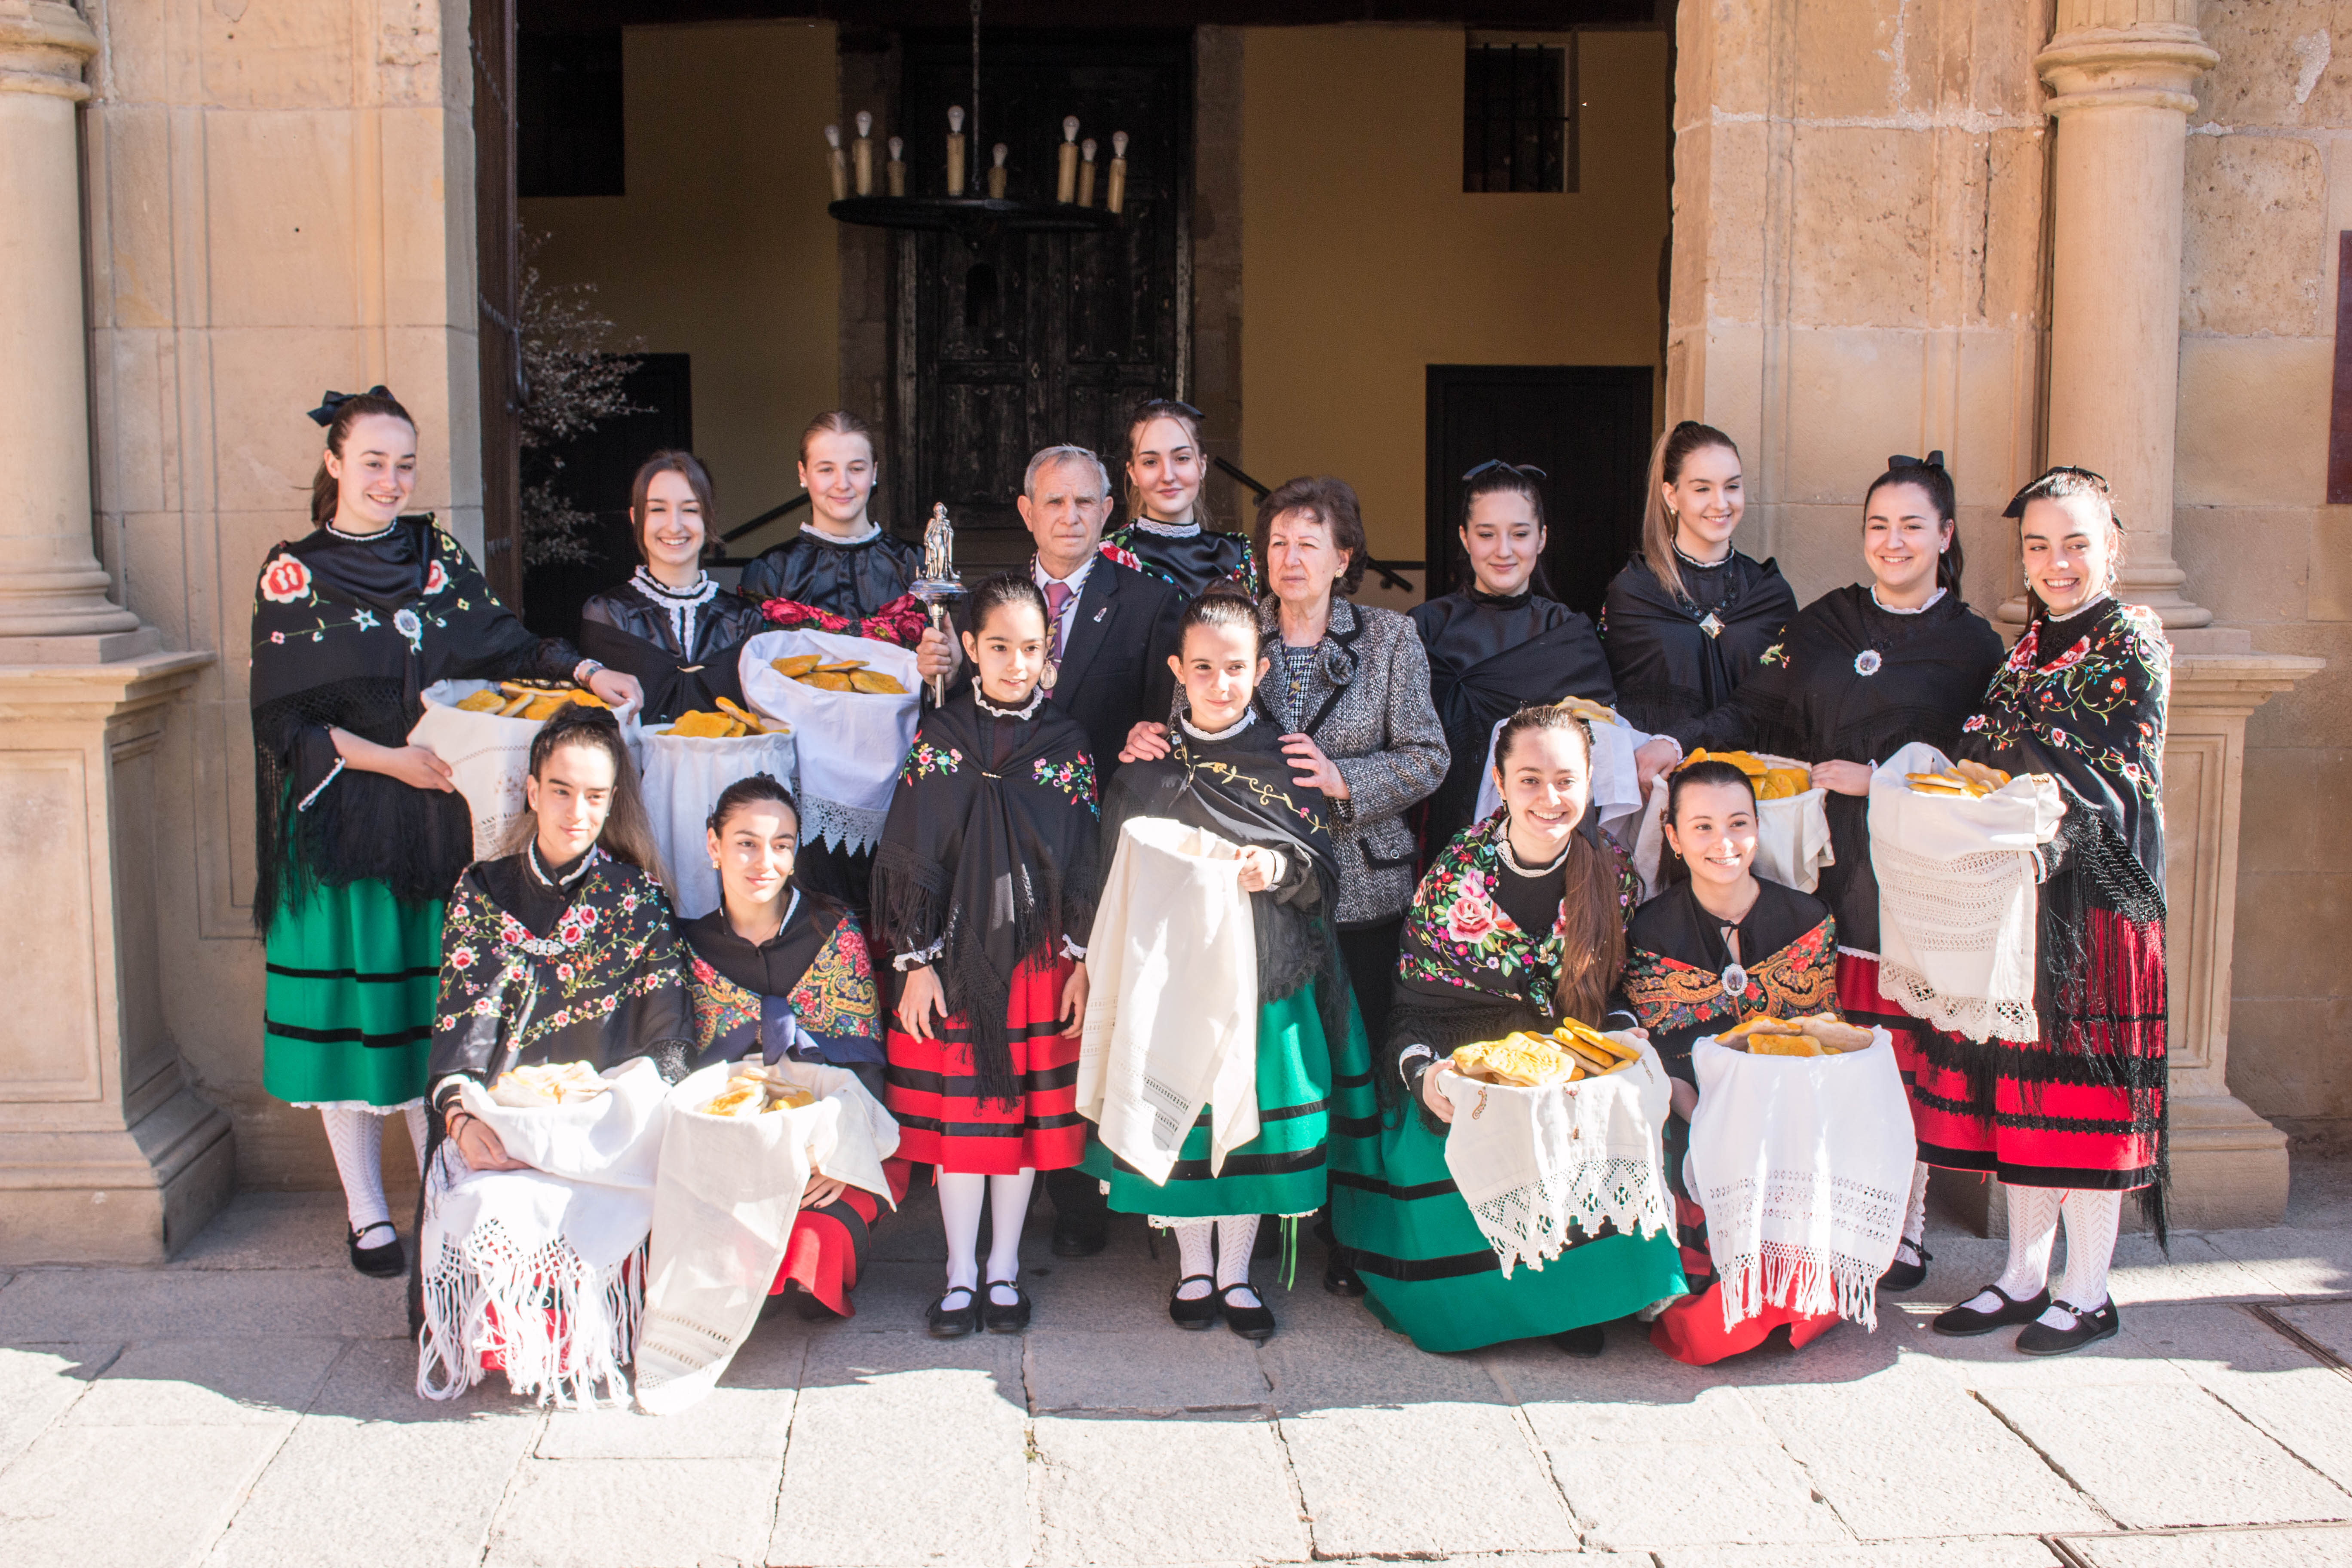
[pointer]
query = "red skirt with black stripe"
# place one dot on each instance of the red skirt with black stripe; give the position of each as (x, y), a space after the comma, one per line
(932, 1090)
(827, 1247)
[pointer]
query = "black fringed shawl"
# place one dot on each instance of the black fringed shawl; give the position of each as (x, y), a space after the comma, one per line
(990, 851)
(1670, 671)
(1241, 787)
(1490, 656)
(1852, 683)
(347, 633)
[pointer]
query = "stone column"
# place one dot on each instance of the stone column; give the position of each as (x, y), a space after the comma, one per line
(52, 589)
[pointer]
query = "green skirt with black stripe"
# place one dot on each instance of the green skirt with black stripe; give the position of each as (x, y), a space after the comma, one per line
(347, 1017)
(1285, 1168)
(1429, 1272)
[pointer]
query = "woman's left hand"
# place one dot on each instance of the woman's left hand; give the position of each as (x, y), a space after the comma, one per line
(1074, 1001)
(1842, 778)
(1314, 769)
(820, 1190)
(621, 691)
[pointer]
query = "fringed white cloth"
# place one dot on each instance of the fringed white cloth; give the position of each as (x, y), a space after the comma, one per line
(1172, 999)
(858, 740)
(1792, 836)
(1802, 1164)
(1956, 917)
(543, 1268)
(1534, 1164)
(724, 1208)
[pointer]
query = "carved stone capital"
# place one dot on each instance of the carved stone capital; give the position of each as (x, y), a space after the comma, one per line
(2147, 65)
(42, 46)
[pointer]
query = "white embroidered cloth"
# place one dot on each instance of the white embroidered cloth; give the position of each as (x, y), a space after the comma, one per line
(488, 758)
(1531, 1163)
(1957, 929)
(537, 1266)
(1616, 785)
(1172, 999)
(683, 776)
(1792, 836)
(724, 1208)
(1803, 1165)
(856, 741)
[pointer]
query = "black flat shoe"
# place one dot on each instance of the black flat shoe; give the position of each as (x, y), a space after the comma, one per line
(378, 1262)
(813, 1311)
(1005, 1319)
(1901, 1275)
(1964, 1322)
(1076, 1239)
(1250, 1322)
(1583, 1343)
(2090, 1328)
(1196, 1312)
(1339, 1276)
(953, 1323)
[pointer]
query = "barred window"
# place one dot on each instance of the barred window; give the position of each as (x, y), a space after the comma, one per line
(1518, 117)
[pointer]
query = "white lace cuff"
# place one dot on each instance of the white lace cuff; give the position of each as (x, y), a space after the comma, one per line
(919, 957)
(1070, 949)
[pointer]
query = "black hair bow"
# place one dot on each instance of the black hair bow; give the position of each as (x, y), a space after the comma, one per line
(329, 401)
(1525, 471)
(1932, 460)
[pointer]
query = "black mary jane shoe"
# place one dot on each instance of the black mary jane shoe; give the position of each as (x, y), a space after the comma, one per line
(1965, 1321)
(1901, 1275)
(1583, 1343)
(953, 1323)
(1250, 1322)
(1339, 1276)
(2089, 1329)
(1192, 1311)
(1076, 1238)
(381, 1262)
(999, 1319)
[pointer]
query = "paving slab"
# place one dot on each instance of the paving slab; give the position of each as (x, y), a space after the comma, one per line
(2194, 1270)
(1989, 1361)
(1159, 1370)
(1165, 1491)
(634, 1513)
(1340, 1370)
(39, 1384)
(285, 1230)
(1979, 1551)
(45, 1304)
(1632, 1494)
(2287, 1548)
(1352, 1464)
(177, 1383)
(938, 1428)
(2329, 1323)
(2167, 1456)
(1904, 1452)
(69, 1498)
(1629, 1393)
(2292, 1260)
(2264, 1377)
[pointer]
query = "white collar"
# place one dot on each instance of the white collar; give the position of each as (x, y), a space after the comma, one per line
(705, 585)
(1166, 530)
(1248, 718)
(531, 853)
(1075, 582)
(811, 530)
(1036, 695)
(1511, 861)
(2092, 602)
(1899, 610)
(360, 538)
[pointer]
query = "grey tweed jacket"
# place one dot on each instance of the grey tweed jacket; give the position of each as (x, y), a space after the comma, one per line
(1365, 700)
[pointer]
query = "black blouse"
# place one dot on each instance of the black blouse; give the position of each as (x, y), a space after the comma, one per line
(850, 580)
(681, 646)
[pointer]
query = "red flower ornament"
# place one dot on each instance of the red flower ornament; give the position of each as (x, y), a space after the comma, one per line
(286, 580)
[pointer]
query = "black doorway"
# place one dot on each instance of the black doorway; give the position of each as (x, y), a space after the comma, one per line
(1587, 427)
(592, 472)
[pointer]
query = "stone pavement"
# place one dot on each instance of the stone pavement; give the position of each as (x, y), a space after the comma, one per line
(252, 1403)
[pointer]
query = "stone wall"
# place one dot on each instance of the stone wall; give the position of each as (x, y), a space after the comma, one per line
(280, 200)
(2269, 190)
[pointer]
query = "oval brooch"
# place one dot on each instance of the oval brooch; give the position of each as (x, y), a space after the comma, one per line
(1867, 661)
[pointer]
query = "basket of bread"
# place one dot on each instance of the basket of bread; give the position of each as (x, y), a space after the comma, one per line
(685, 763)
(1792, 819)
(1816, 1035)
(862, 696)
(483, 731)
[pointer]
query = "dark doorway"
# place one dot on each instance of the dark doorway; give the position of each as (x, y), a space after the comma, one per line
(592, 472)
(1587, 427)
(1025, 340)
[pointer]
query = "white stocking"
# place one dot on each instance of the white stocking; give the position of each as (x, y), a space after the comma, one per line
(1008, 1205)
(1236, 1234)
(1192, 1256)
(357, 1137)
(2032, 1226)
(1914, 1219)
(2093, 1217)
(962, 1193)
(416, 1133)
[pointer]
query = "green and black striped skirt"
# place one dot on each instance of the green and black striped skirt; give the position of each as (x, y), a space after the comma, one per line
(347, 1017)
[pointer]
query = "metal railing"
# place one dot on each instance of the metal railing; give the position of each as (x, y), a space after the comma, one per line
(1390, 572)
(761, 521)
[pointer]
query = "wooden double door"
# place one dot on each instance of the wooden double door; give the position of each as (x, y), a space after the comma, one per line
(1008, 343)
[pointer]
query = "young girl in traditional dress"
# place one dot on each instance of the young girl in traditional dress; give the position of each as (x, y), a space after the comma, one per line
(1227, 773)
(1724, 946)
(671, 625)
(360, 834)
(1501, 641)
(985, 888)
(1167, 533)
(1687, 619)
(2075, 1119)
(782, 972)
(1519, 924)
(1863, 671)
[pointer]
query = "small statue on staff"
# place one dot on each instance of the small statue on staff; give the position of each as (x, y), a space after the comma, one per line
(939, 585)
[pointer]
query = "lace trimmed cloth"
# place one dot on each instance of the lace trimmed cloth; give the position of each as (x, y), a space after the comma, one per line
(859, 739)
(1956, 913)
(1534, 1164)
(1803, 1166)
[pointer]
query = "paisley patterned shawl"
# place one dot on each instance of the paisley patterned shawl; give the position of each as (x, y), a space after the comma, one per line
(1669, 996)
(834, 1002)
